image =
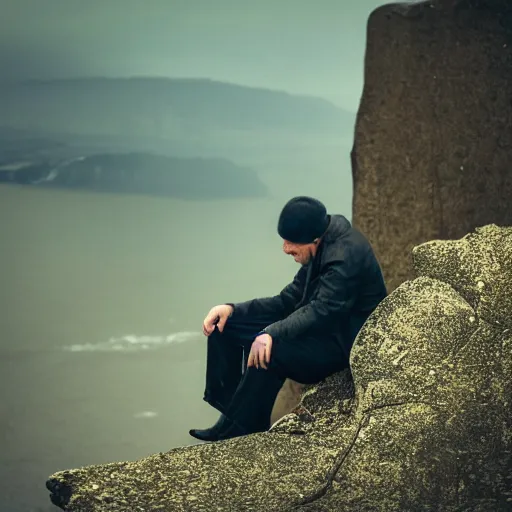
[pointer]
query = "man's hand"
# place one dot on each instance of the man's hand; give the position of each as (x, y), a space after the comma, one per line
(218, 315)
(261, 349)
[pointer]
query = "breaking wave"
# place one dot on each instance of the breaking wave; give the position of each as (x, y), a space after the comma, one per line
(133, 343)
(145, 414)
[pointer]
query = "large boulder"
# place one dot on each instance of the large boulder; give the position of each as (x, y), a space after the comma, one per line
(424, 425)
(432, 154)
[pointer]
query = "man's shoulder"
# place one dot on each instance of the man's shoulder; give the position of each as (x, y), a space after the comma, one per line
(348, 245)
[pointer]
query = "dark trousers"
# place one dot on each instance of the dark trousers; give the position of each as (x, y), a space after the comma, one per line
(247, 395)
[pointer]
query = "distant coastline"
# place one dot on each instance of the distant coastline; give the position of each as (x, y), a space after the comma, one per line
(139, 173)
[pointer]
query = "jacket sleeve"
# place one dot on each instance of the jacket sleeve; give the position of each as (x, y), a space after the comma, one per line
(336, 295)
(278, 306)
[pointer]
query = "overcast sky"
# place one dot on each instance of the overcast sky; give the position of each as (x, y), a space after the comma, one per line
(301, 46)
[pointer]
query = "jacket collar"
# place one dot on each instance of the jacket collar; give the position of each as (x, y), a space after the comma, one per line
(338, 226)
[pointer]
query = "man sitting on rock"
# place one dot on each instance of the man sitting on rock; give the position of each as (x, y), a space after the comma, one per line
(305, 333)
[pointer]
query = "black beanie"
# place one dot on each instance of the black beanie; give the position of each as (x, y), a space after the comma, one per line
(302, 220)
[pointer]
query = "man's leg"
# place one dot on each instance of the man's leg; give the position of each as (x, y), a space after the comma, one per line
(304, 360)
(227, 355)
(251, 406)
(226, 359)
(308, 360)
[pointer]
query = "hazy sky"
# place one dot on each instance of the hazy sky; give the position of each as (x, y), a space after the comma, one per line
(301, 46)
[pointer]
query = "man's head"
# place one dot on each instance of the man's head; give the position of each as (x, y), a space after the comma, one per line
(302, 223)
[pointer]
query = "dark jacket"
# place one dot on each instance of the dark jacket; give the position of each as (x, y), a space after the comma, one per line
(332, 296)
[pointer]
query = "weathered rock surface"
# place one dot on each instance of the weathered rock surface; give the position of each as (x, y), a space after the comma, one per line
(432, 155)
(428, 427)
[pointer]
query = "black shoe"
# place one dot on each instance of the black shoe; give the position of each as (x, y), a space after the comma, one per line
(212, 433)
(208, 434)
(230, 432)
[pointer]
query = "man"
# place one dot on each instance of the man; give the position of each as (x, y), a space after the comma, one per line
(305, 333)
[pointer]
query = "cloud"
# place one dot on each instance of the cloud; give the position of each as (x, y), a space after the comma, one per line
(310, 48)
(24, 60)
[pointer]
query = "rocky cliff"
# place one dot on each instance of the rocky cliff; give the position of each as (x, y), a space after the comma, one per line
(432, 155)
(424, 425)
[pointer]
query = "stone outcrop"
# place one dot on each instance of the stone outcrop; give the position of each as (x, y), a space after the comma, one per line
(432, 155)
(424, 425)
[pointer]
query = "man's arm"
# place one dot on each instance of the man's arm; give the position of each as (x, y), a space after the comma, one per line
(278, 305)
(336, 295)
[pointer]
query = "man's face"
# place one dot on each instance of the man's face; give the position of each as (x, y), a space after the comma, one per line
(301, 253)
